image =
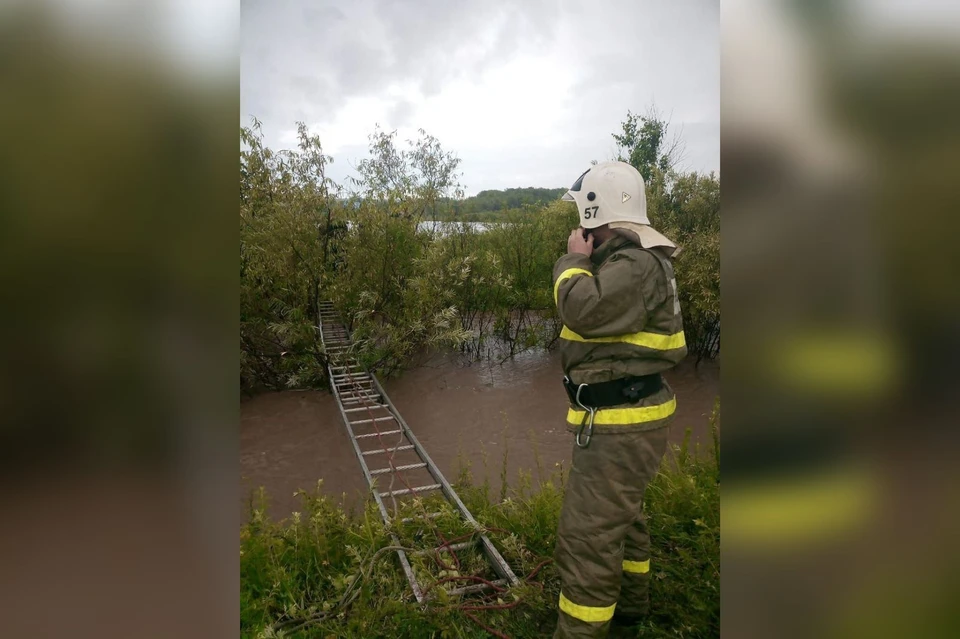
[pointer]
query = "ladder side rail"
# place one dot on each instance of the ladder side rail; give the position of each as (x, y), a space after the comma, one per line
(404, 562)
(402, 555)
(493, 555)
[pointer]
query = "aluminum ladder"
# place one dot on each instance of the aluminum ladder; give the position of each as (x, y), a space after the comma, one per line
(364, 408)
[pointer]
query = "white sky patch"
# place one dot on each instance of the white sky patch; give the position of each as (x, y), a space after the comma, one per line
(510, 105)
(351, 125)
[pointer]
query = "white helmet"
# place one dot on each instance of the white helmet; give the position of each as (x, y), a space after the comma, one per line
(609, 192)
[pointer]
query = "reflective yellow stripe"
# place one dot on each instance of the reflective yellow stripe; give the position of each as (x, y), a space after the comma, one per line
(586, 613)
(835, 363)
(621, 416)
(567, 274)
(649, 340)
(799, 510)
(640, 567)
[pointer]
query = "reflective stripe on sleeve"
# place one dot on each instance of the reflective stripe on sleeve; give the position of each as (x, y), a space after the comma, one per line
(586, 613)
(567, 274)
(656, 341)
(639, 567)
(623, 416)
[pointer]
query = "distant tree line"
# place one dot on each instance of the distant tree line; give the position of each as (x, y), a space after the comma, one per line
(502, 200)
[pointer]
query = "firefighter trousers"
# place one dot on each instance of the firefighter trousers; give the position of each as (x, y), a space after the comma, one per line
(603, 548)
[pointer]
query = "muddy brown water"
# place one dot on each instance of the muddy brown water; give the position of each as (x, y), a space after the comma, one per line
(461, 411)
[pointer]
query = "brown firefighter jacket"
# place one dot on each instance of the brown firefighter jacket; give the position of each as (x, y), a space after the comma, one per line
(621, 317)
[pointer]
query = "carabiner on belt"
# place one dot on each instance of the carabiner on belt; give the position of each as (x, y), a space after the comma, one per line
(587, 420)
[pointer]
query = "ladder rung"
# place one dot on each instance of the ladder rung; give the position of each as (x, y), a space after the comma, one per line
(347, 387)
(344, 368)
(476, 587)
(381, 471)
(370, 407)
(359, 401)
(386, 432)
(388, 450)
(407, 491)
(360, 376)
(407, 520)
(452, 547)
(370, 421)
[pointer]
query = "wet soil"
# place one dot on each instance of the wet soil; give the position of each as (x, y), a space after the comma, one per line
(461, 411)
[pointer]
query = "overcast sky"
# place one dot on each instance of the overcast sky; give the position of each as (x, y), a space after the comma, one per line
(525, 93)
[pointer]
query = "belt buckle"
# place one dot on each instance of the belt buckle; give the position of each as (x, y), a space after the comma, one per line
(633, 391)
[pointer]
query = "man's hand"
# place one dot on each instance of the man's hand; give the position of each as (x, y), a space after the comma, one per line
(576, 243)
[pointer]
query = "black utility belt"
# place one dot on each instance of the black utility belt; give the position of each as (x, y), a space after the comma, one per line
(627, 390)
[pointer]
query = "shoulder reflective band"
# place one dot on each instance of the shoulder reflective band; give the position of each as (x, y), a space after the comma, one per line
(586, 613)
(639, 567)
(567, 274)
(656, 341)
(624, 416)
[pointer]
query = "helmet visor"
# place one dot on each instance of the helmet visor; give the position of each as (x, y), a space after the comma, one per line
(576, 185)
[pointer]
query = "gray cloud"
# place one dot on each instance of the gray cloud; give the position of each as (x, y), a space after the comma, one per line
(400, 114)
(307, 59)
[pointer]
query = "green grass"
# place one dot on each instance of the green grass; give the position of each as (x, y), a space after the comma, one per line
(324, 573)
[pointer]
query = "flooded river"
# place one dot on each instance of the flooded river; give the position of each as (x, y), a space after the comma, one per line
(459, 410)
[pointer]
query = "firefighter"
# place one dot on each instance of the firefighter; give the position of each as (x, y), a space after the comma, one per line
(617, 298)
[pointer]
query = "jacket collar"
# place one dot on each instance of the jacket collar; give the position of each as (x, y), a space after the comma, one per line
(608, 248)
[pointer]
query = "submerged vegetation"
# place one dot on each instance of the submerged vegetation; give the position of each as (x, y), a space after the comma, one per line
(404, 286)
